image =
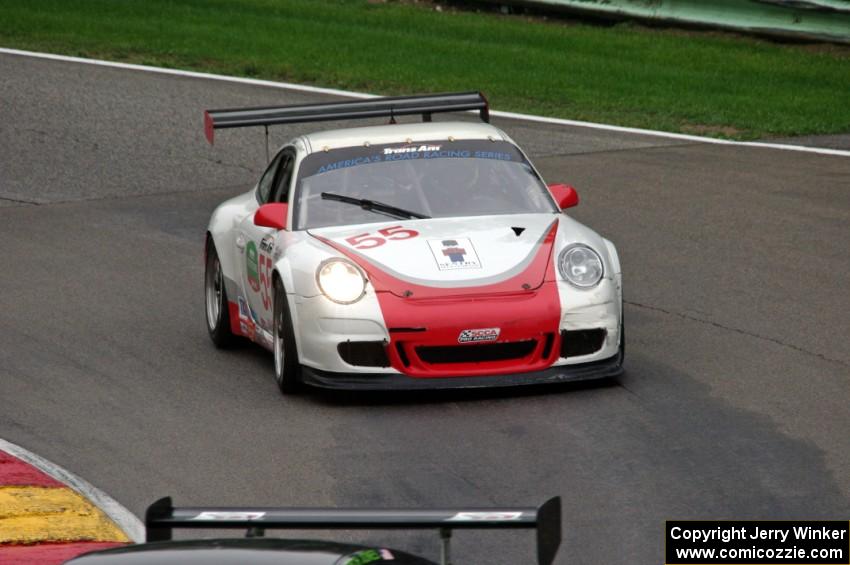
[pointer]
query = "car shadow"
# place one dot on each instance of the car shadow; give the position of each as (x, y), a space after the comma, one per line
(401, 397)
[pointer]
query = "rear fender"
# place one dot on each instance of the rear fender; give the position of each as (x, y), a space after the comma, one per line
(222, 229)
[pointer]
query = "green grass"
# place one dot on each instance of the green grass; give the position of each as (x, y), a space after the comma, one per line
(627, 75)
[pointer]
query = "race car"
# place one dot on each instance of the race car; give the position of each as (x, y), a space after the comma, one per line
(161, 518)
(409, 256)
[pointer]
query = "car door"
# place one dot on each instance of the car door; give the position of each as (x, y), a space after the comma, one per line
(259, 242)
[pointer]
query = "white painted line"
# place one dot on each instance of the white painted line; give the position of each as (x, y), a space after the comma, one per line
(192, 74)
(123, 518)
(670, 135)
(363, 95)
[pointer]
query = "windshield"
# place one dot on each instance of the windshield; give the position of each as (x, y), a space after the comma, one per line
(438, 179)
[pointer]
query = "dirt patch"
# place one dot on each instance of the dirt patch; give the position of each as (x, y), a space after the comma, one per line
(713, 131)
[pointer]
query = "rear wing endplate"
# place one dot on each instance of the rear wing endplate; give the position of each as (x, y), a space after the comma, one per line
(161, 518)
(359, 109)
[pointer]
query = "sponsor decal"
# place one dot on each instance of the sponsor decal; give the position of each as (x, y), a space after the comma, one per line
(485, 516)
(244, 311)
(415, 153)
(229, 516)
(409, 152)
(481, 334)
(493, 155)
(411, 149)
(457, 253)
(267, 244)
(345, 163)
(365, 556)
(251, 258)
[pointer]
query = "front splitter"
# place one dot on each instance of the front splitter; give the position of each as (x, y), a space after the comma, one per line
(606, 368)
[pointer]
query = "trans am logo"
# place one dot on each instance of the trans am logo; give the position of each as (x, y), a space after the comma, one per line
(411, 149)
(475, 336)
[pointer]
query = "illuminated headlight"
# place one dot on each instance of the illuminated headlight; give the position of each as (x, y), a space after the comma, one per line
(341, 281)
(580, 265)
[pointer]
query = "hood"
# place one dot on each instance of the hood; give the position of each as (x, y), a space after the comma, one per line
(445, 256)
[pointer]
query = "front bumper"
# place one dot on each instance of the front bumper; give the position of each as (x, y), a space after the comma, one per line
(606, 368)
(321, 326)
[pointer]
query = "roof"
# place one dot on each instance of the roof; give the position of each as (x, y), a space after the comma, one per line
(400, 133)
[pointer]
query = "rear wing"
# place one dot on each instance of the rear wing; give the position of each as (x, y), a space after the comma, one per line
(359, 109)
(161, 518)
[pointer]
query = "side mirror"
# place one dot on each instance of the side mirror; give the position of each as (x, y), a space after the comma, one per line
(272, 215)
(566, 196)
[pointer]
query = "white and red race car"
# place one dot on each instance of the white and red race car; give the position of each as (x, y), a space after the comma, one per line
(407, 256)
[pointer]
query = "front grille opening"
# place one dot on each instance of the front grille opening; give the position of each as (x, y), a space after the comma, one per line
(479, 353)
(402, 354)
(582, 342)
(547, 347)
(364, 353)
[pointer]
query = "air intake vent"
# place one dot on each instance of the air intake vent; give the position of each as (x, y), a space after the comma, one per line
(364, 353)
(582, 342)
(480, 353)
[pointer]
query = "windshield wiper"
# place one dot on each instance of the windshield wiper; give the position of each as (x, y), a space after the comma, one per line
(375, 206)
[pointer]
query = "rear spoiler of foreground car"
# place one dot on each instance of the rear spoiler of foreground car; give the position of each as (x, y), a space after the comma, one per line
(161, 518)
(359, 109)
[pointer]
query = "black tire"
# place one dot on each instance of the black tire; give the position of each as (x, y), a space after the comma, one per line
(622, 351)
(622, 343)
(215, 300)
(287, 369)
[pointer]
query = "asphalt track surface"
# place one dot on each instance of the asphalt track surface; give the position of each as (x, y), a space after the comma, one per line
(736, 397)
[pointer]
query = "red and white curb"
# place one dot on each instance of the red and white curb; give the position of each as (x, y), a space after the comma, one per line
(49, 515)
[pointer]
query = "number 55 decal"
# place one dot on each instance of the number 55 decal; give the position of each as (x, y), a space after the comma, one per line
(369, 241)
(265, 268)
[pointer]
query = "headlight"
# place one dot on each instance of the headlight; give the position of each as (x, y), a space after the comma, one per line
(580, 265)
(341, 281)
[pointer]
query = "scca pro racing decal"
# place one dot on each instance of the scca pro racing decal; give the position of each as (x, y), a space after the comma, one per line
(457, 253)
(482, 334)
(251, 261)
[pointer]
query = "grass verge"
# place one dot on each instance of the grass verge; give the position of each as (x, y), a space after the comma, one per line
(703, 83)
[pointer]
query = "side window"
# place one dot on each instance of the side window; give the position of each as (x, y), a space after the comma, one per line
(264, 187)
(281, 191)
